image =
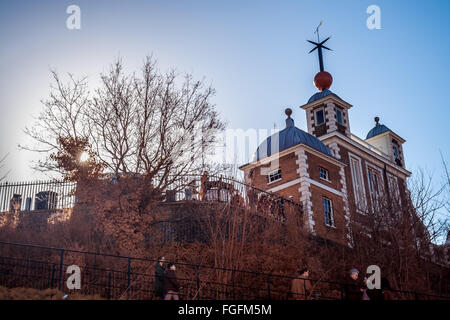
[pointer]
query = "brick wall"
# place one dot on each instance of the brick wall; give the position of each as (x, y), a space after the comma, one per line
(338, 233)
(344, 208)
(288, 173)
(315, 162)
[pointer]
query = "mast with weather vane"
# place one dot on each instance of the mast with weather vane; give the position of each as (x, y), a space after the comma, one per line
(322, 79)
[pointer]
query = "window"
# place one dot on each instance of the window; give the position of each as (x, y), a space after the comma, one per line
(275, 175)
(320, 118)
(394, 192)
(328, 212)
(374, 181)
(339, 116)
(358, 186)
(395, 151)
(323, 174)
(375, 187)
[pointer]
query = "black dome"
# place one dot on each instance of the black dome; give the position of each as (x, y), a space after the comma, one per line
(289, 137)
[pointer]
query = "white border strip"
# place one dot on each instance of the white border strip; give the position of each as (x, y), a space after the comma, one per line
(311, 181)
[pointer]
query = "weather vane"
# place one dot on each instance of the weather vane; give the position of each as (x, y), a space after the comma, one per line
(317, 31)
(319, 45)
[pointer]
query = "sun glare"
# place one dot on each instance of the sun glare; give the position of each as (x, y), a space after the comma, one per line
(84, 156)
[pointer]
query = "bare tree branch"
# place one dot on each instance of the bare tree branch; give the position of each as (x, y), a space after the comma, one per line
(2, 165)
(151, 123)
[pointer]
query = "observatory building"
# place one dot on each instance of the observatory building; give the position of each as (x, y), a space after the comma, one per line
(336, 175)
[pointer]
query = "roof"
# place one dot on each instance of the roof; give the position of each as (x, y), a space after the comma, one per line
(289, 137)
(321, 94)
(378, 129)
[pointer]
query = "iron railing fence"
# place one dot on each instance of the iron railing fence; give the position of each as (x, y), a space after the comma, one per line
(122, 277)
(58, 194)
(37, 195)
(213, 188)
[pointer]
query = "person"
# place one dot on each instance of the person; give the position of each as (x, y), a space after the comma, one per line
(301, 288)
(188, 193)
(158, 284)
(171, 283)
(365, 295)
(353, 288)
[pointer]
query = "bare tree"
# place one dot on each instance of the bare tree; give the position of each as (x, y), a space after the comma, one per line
(429, 205)
(156, 124)
(2, 165)
(400, 232)
(63, 116)
(446, 189)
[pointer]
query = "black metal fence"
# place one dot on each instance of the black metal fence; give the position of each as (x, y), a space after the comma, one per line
(121, 277)
(222, 189)
(56, 195)
(38, 195)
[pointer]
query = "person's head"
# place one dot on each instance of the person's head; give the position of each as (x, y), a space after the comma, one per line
(161, 260)
(354, 273)
(304, 272)
(171, 266)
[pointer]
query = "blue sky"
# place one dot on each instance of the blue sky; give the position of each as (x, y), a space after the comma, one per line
(254, 53)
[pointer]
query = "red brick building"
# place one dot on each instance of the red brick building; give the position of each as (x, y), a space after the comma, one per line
(335, 175)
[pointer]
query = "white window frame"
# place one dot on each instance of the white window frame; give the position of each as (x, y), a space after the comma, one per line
(315, 116)
(327, 174)
(394, 188)
(332, 225)
(375, 195)
(361, 204)
(273, 173)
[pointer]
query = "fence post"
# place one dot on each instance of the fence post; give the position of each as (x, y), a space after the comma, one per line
(128, 278)
(108, 292)
(61, 260)
(28, 262)
(198, 281)
(53, 275)
(95, 264)
(268, 287)
(95, 268)
(342, 291)
(232, 284)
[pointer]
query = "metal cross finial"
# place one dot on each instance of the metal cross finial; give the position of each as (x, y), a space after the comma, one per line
(319, 45)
